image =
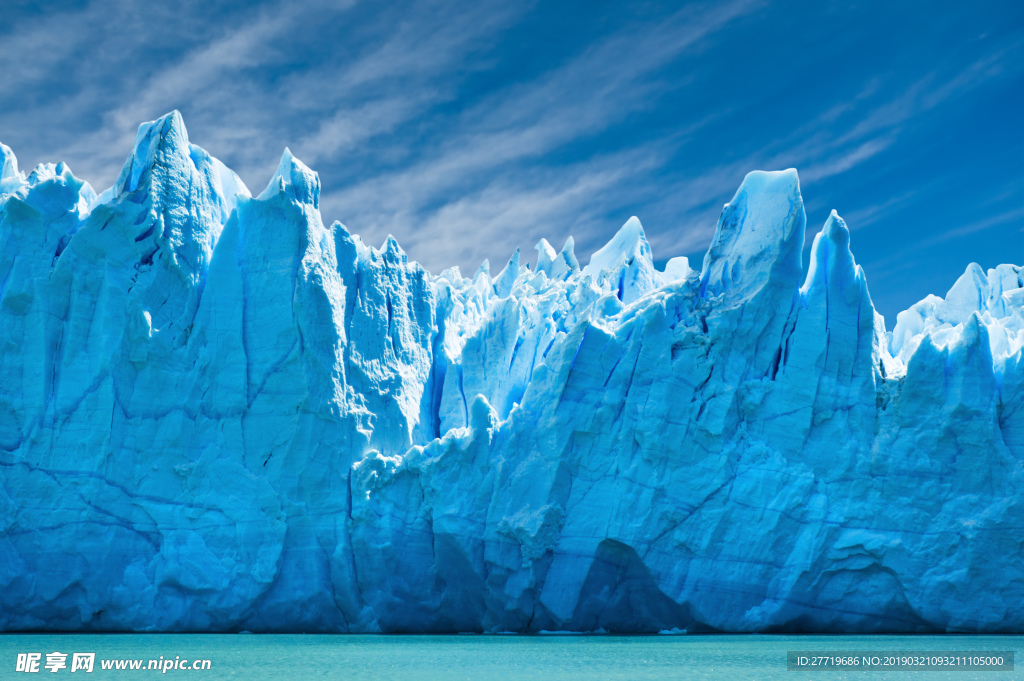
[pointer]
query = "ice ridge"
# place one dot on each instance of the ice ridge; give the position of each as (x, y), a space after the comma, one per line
(218, 413)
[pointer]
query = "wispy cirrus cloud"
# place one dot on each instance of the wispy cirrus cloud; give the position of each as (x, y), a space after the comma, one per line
(464, 193)
(1013, 217)
(820, 149)
(254, 84)
(470, 129)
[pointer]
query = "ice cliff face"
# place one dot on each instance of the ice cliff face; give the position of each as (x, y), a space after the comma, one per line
(217, 413)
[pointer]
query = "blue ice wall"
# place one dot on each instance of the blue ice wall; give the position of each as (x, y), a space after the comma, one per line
(218, 413)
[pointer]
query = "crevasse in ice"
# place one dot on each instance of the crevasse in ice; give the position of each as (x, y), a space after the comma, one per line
(218, 413)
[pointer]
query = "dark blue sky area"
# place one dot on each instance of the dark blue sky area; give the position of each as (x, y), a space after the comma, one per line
(468, 129)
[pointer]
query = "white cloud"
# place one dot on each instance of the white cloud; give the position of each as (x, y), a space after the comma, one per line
(416, 136)
(483, 163)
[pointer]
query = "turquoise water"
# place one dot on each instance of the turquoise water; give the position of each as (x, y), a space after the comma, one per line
(682, 658)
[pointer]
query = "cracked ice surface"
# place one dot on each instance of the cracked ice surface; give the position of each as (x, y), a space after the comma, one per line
(217, 413)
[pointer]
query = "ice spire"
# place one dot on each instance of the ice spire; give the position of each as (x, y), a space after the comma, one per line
(759, 239)
(296, 179)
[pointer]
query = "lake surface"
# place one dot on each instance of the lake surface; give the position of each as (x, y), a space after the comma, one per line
(682, 658)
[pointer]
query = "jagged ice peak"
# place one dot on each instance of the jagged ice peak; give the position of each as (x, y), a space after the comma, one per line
(218, 413)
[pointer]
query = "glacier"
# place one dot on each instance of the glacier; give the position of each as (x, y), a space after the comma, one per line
(218, 413)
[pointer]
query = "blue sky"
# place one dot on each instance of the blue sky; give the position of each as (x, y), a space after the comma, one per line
(467, 129)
